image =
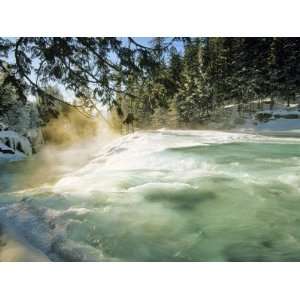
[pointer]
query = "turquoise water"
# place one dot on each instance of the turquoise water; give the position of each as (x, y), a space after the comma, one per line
(163, 196)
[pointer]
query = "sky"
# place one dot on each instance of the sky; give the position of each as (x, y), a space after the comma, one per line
(146, 41)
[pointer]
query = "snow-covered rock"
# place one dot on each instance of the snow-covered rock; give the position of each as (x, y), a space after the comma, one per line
(3, 127)
(13, 146)
(15, 141)
(8, 154)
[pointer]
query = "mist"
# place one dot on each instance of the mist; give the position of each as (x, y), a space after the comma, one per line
(70, 141)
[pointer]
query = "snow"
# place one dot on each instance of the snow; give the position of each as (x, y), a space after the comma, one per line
(283, 120)
(280, 125)
(16, 141)
(280, 112)
(3, 126)
(13, 146)
(17, 155)
(264, 101)
(230, 106)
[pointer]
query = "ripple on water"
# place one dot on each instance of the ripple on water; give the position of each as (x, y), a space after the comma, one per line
(168, 196)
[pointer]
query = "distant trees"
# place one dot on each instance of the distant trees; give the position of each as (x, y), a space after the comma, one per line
(213, 72)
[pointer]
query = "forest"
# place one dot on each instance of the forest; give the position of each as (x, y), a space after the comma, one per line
(168, 82)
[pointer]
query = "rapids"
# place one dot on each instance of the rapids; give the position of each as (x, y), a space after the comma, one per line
(162, 196)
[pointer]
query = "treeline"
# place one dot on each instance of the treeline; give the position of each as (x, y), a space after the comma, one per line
(186, 84)
(169, 82)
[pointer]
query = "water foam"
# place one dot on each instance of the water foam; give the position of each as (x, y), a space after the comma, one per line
(170, 195)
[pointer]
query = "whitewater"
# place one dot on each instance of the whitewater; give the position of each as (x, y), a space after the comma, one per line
(165, 195)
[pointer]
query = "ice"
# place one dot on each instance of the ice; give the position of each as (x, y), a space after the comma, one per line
(12, 140)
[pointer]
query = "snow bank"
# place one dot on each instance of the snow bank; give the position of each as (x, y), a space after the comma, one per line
(15, 141)
(8, 154)
(3, 126)
(278, 120)
(13, 146)
(280, 113)
(279, 125)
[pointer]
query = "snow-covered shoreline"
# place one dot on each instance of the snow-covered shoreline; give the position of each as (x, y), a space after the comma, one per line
(13, 146)
(280, 121)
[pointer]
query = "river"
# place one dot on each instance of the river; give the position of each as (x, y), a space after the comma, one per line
(160, 196)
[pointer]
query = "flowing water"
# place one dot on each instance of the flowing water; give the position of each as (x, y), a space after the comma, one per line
(162, 196)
